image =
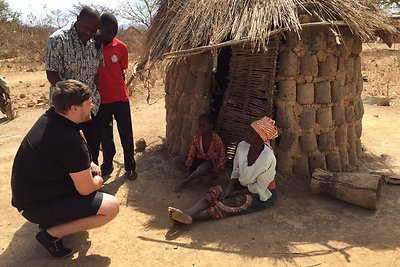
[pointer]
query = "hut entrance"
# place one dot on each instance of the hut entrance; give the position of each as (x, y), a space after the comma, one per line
(220, 81)
(249, 94)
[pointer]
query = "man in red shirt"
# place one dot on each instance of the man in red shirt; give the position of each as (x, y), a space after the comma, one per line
(114, 98)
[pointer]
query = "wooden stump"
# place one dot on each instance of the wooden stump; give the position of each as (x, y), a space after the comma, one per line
(361, 189)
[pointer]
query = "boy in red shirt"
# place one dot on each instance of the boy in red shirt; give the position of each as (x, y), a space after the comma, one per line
(114, 98)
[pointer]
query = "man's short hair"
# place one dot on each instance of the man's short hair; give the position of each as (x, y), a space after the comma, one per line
(70, 93)
(108, 18)
(89, 12)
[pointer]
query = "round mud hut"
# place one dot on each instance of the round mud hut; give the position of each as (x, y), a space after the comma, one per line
(295, 61)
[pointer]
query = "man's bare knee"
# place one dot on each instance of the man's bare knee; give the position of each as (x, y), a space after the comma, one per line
(109, 206)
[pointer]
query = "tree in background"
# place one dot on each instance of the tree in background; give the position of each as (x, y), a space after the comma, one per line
(136, 12)
(53, 19)
(8, 15)
(59, 18)
(139, 11)
(391, 5)
(388, 2)
(76, 8)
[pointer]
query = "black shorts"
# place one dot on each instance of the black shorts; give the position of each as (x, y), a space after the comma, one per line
(197, 162)
(64, 210)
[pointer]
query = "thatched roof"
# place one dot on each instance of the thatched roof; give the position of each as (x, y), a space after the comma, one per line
(185, 24)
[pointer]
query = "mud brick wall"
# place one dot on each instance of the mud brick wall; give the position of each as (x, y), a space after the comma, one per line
(187, 96)
(319, 107)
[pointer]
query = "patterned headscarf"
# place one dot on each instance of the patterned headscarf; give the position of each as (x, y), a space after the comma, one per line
(266, 129)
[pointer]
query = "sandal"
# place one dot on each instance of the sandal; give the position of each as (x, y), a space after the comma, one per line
(179, 216)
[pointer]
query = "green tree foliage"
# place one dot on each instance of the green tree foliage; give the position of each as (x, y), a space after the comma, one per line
(7, 14)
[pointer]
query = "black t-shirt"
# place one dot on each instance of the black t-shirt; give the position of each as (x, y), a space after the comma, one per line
(51, 150)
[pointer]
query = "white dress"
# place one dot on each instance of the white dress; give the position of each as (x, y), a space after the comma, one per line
(258, 176)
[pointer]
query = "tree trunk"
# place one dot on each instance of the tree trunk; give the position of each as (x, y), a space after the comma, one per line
(361, 189)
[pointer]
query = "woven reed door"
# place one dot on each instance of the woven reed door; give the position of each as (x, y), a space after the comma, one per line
(250, 92)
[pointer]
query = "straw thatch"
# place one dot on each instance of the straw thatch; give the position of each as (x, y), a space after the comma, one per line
(185, 24)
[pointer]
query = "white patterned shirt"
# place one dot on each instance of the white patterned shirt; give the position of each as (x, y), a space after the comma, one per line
(67, 55)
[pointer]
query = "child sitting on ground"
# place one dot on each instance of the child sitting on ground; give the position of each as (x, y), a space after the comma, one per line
(252, 186)
(206, 155)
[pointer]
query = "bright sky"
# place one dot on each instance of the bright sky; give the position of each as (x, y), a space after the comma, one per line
(27, 6)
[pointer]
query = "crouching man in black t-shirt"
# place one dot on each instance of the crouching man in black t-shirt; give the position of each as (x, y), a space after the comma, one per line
(54, 181)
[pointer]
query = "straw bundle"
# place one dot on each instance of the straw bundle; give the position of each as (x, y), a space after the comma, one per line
(185, 24)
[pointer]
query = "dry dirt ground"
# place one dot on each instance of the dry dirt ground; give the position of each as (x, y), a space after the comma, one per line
(300, 230)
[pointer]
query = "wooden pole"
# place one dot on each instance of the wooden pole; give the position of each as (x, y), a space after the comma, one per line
(202, 49)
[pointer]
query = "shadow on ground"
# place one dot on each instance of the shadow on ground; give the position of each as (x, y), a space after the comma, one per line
(19, 251)
(282, 232)
(298, 225)
(376, 163)
(23, 244)
(4, 120)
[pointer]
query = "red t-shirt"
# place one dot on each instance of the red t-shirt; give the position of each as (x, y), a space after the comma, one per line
(111, 84)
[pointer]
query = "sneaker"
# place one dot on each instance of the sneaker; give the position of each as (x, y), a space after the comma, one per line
(131, 175)
(106, 171)
(54, 247)
(42, 227)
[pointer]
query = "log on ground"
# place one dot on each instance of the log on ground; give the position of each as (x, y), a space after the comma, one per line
(361, 189)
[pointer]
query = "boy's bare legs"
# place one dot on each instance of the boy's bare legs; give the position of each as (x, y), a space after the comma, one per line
(108, 210)
(202, 170)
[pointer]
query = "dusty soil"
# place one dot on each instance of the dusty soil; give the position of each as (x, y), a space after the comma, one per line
(300, 230)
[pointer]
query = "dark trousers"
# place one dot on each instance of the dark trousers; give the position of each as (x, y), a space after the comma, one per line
(122, 114)
(92, 131)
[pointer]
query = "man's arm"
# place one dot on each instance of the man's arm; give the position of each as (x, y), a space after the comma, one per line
(53, 77)
(234, 176)
(235, 168)
(94, 167)
(221, 156)
(124, 61)
(96, 80)
(192, 154)
(264, 179)
(54, 59)
(85, 183)
(228, 189)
